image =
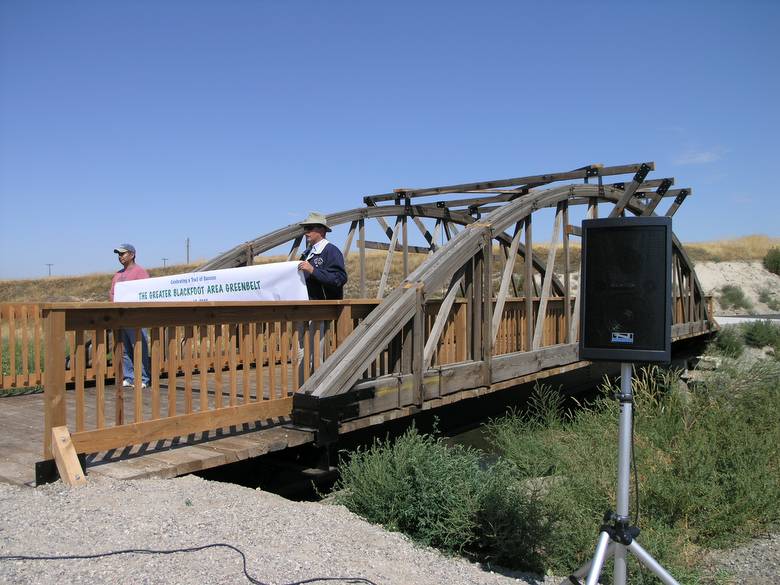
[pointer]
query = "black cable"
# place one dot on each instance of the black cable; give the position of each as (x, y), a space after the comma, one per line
(180, 550)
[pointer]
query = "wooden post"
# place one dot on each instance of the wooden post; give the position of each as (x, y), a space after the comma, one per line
(547, 284)
(566, 275)
(529, 275)
(418, 335)
(343, 324)
(54, 377)
(487, 309)
(362, 254)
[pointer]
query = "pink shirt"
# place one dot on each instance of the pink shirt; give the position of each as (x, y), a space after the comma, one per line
(135, 272)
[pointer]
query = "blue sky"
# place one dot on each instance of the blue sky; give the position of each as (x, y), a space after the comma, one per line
(155, 121)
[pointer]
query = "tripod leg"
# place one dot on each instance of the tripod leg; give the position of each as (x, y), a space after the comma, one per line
(644, 557)
(574, 578)
(598, 559)
(620, 574)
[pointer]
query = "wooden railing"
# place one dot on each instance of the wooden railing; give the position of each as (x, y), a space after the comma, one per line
(21, 345)
(214, 365)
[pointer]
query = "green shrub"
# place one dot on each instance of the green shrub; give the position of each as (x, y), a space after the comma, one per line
(729, 342)
(418, 486)
(761, 333)
(442, 496)
(733, 296)
(772, 260)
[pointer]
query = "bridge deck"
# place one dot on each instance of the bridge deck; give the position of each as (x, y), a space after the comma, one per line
(21, 418)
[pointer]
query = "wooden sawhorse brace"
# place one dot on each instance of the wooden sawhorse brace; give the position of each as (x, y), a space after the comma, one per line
(65, 456)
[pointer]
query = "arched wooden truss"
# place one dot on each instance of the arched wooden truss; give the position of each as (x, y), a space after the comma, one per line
(392, 358)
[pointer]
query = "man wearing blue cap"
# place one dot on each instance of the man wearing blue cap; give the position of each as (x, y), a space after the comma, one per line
(131, 271)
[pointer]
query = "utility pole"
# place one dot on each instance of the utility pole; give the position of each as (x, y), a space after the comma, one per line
(188, 250)
(164, 260)
(49, 265)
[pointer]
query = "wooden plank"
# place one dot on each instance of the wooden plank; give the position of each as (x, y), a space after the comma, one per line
(54, 377)
(178, 426)
(11, 317)
(678, 201)
(79, 367)
(657, 196)
(548, 276)
(405, 245)
(138, 377)
(219, 360)
(389, 259)
(398, 248)
(418, 331)
(187, 366)
(203, 367)
(508, 366)
(432, 247)
(362, 256)
(4, 308)
(245, 360)
(25, 346)
(350, 236)
(307, 357)
(233, 365)
(528, 280)
(173, 368)
(284, 344)
(99, 358)
(639, 177)
(566, 276)
(271, 339)
(293, 254)
(506, 278)
(65, 457)
(482, 185)
(487, 308)
(441, 319)
(155, 359)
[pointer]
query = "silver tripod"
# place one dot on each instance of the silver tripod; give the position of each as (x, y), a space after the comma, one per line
(616, 536)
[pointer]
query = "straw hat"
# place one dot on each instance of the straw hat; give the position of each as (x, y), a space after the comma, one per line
(316, 218)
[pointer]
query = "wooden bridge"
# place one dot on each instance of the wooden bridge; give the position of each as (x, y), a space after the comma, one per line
(483, 312)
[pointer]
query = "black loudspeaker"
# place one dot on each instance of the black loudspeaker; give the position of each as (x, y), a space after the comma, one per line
(626, 280)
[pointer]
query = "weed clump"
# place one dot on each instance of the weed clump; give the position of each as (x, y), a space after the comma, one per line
(728, 342)
(761, 334)
(733, 296)
(772, 260)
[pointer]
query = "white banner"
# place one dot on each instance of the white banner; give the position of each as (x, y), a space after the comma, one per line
(280, 281)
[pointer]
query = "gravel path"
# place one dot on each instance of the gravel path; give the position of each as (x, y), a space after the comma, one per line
(283, 541)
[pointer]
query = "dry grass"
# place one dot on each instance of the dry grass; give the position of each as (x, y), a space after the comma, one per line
(94, 287)
(90, 287)
(746, 248)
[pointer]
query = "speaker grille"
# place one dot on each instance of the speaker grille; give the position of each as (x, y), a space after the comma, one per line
(626, 270)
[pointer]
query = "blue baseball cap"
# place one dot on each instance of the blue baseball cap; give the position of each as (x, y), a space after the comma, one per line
(124, 248)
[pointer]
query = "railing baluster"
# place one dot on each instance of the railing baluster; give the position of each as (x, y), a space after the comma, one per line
(99, 365)
(79, 377)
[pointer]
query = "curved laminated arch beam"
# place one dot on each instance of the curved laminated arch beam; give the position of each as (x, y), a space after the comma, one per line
(238, 255)
(338, 374)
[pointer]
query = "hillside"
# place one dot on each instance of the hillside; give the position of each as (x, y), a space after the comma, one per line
(735, 262)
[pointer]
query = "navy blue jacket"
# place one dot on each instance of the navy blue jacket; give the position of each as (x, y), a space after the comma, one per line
(329, 276)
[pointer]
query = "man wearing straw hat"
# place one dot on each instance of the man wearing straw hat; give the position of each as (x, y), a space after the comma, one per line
(322, 265)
